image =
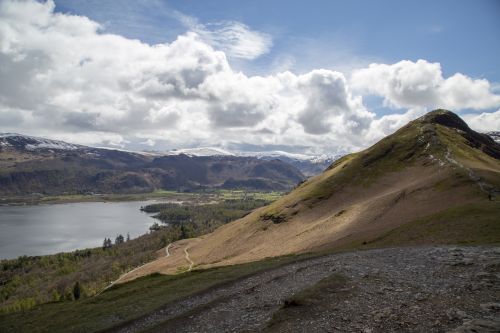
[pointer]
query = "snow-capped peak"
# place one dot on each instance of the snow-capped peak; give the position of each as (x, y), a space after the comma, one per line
(495, 135)
(293, 156)
(201, 151)
(33, 143)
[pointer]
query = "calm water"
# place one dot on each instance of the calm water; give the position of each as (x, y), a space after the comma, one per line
(48, 229)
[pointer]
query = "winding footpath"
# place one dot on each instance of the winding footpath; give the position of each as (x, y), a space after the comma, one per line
(191, 263)
(167, 254)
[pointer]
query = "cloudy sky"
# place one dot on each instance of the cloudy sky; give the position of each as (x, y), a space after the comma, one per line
(304, 76)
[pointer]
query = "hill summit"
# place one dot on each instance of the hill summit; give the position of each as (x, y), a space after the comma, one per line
(451, 120)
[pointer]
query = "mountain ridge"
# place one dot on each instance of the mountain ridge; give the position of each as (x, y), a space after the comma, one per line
(49, 167)
(309, 165)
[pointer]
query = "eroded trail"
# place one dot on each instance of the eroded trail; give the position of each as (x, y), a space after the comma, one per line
(420, 289)
(125, 275)
(191, 263)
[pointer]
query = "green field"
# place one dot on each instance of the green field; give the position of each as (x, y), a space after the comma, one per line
(36, 199)
(158, 194)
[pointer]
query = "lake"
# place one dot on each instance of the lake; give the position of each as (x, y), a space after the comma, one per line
(49, 229)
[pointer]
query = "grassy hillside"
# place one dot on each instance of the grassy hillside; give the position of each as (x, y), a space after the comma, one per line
(433, 174)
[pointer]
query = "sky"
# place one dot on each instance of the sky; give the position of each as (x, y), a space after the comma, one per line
(307, 77)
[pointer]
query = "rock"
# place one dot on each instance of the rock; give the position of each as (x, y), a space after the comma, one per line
(474, 286)
(379, 315)
(491, 306)
(478, 326)
(463, 262)
(420, 297)
(461, 314)
(485, 276)
(454, 314)
(492, 266)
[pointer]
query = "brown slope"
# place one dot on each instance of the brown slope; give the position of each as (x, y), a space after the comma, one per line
(434, 172)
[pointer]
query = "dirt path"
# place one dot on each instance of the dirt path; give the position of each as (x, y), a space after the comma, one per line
(124, 275)
(191, 263)
(166, 250)
(418, 289)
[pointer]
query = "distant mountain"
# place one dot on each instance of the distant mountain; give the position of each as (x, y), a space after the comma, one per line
(309, 165)
(434, 181)
(25, 142)
(495, 135)
(202, 151)
(36, 165)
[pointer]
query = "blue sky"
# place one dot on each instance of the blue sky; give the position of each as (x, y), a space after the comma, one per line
(462, 35)
(301, 76)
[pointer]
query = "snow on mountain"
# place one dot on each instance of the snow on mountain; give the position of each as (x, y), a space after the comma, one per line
(201, 151)
(33, 143)
(309, 165)
(215, 151)
(495, 135)
(293, 156)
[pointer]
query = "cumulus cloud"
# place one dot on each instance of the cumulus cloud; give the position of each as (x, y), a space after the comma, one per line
(65, 77)
(328, 97)
(390, 123)
(484, 122)
(408, 84)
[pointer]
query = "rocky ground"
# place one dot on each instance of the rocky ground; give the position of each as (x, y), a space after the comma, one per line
(418, 289)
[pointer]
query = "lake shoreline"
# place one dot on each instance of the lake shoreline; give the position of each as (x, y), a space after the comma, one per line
(62, 199)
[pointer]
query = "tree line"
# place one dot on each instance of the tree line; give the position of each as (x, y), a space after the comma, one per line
(108, 243)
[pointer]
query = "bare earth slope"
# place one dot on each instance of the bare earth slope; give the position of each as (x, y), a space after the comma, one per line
(434, 181)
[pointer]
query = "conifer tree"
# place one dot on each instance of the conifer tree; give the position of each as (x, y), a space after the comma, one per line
(76, 291)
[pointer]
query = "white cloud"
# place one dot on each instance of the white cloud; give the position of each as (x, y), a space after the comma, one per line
(63, 76)
(484, 122)
(390, 123)
(234, 38)
(329, 98)
(408, 84)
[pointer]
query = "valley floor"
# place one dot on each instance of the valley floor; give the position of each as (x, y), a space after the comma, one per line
(416, 289)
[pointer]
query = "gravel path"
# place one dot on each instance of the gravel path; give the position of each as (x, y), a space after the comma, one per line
(418, 289)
